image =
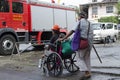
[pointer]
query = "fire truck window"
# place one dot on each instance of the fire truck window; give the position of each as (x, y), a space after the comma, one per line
(17, 7)
(4, 6)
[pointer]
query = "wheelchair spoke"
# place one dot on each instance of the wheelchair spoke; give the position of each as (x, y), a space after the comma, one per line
(56, 63)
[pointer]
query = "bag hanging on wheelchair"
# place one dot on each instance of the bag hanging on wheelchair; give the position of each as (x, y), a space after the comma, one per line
(66, 48)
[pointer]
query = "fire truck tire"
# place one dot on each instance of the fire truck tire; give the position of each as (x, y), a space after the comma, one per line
(7, 43)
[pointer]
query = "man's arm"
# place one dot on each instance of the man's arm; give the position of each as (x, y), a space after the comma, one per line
(69, 34)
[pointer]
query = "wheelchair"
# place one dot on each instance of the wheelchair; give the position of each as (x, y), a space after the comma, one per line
(54, 61)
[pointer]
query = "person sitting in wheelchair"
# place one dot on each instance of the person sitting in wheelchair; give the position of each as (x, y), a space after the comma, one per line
(55, 36)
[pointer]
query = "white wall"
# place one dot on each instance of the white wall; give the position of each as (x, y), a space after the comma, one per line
(101, 12)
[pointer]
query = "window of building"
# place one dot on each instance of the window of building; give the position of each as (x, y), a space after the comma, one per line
(109, 9)
(94, 10)
(17, 7)
(4, 6)
(94, 0)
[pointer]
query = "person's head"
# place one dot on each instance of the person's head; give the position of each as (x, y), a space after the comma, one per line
(56, 29)
(82, 15)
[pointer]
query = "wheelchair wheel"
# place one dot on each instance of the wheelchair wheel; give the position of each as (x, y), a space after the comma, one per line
(70, 64)
(54, 64)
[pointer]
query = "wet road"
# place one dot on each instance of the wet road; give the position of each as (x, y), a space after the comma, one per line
(108, 70)
(110, 67)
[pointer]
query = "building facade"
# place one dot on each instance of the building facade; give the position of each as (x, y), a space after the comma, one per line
(96, 10)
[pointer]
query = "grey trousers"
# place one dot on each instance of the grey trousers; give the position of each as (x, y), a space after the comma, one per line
(83, 59)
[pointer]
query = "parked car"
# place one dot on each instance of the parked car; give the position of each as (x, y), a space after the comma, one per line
(105, 32)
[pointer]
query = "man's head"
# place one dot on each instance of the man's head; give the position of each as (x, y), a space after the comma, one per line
(56, 29)
(82, 15)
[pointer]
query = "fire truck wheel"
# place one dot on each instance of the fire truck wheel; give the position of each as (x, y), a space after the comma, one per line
(6, 44)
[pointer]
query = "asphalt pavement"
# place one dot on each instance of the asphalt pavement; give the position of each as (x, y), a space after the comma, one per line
(108, 70)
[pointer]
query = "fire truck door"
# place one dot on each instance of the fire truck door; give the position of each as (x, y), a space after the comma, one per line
(4, 13)
(18, 14)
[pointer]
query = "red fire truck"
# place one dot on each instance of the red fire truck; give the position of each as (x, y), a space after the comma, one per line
(31, 20)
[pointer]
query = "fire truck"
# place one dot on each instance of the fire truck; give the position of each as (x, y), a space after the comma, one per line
(31, 21)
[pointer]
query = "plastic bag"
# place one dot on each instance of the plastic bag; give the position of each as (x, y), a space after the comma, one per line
(66, 47)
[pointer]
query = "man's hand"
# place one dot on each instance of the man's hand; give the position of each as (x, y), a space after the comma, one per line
(60, 39)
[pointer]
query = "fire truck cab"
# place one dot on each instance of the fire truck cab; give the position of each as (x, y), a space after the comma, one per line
(31, 20)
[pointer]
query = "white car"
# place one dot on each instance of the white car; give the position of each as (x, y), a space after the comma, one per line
(105, 32)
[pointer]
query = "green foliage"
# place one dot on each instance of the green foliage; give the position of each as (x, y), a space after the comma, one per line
(113, 19)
